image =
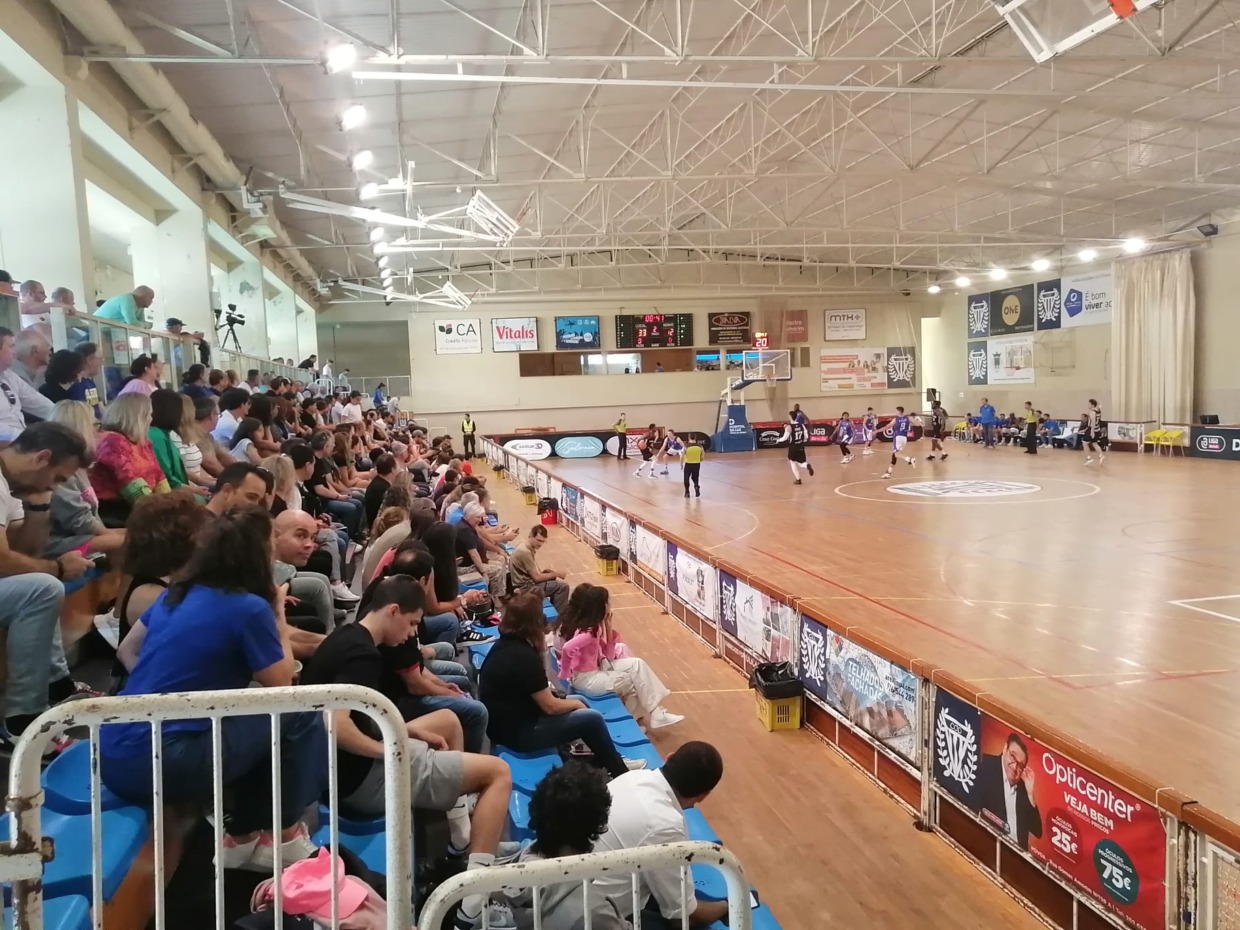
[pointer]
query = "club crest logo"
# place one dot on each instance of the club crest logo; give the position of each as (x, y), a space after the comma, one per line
(955, 744)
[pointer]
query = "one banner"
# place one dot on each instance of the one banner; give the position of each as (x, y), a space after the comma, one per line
(592, 517)
(872, 693)
(1010, 359)
(693, 581)
(796, 326)
(901, 368)
(458, 337)
(762, 624)
(1048, 299)
(838, 325)
(1098, 837)
(570, 503)
(853, 369)
(1011, 310)
(518, 334)
(577, 332)
(651, 553)
(729, 328)
(1087, 299)
(979, 316)
(979, 363)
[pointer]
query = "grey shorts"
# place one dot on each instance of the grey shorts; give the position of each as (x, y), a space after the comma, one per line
(437, 781)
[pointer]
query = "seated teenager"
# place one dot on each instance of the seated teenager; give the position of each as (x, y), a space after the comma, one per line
(345, 456)
(243, 447)
(528, 575)
(74, 518)
(425, 678)
(385, 469)
(64, 370)
(524, 714)
(441, 774)
(125, 467)
(445, 625)
(336, 498)
(594, 659)
(220, 627)
(302, 498)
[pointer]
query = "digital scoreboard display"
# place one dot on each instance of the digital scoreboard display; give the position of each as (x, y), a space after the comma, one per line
(654, 330)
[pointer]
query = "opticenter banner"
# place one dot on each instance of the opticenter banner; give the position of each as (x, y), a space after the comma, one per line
(1098, 837)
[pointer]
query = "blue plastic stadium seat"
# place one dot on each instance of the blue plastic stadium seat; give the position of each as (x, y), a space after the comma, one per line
(66, 782)
(478, 653)
(367, 827)
(609, 705)
(626, 732)
(528, 769)
(698, 828)
(519, 816)
(708, 883)
(371, 848)
(123, 831)
(71, 912)
(549, 611)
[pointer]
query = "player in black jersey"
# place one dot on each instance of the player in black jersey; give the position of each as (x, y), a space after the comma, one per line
(1095, 432)
(796, 434)
(938, 430)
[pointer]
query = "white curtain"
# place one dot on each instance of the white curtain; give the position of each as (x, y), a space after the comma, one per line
(1152, 332)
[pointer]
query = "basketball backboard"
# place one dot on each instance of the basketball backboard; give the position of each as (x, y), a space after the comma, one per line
(1051, 27)
(767, 365)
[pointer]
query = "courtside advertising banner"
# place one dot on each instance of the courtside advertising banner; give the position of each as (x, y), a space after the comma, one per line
(632, 542)
(1098, 837)
(873, 694)
(693, 581)
(592, 517)
(515, 334)
(615, 530)
(1087, 299)
(651, 553)
(540, 483)
(555, 490)
(762, 624)
(569, 504)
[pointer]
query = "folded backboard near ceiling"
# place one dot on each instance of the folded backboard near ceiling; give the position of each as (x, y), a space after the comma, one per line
(1051, 27)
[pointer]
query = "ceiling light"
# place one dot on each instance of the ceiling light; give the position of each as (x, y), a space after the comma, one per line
(997, 274)
(934, 289)
(381, 248)
(385, 273)
(1133, 246)
(493, 223)
(1041, 264)
(1087, 255)
(340, 57)
(362, 160)
(377, 234)
(962, 281)
(352, 117)
(383, 261)
(369, 191)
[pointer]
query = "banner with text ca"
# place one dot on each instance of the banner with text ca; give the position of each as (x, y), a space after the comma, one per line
(1106, 842)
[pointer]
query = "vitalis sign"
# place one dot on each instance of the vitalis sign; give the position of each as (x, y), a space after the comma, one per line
(519, 334)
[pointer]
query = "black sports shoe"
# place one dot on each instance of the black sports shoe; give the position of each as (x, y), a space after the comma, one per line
(470, 635)
(943, 457)
(809, 468)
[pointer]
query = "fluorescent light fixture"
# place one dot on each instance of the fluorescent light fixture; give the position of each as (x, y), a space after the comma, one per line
(378, 234)
(962, 281)
(341, 56)
(934, 289)
(352, 117)
(1041, 264)
(362, 160)
(381, 248)
(997, 274)
(1087, 255)
(492, 222)
(1133, 246)
(369, 191)
(383, 261)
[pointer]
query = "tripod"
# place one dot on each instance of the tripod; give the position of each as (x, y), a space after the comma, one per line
(230, 332)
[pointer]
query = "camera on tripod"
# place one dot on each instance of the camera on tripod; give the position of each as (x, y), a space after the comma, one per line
(231, 318)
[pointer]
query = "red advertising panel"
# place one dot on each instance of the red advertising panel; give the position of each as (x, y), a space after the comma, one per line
(1097, 836)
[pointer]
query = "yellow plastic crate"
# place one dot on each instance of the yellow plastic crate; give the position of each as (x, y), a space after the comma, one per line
(531, 497)
(779, 713)
(607, 566)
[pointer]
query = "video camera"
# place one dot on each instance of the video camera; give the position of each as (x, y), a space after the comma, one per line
(231, 318)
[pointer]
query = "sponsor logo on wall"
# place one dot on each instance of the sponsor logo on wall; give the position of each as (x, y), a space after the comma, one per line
(901, 367)
(518, 334)
(979, 316)
(796, 326)
(577, 332)
(1213, 442)
(978, 362)
(843, 324)
(729, 329)
(534, 449)
(1048, 300)
(1011, 311)
(1087, 299)
(458, 337)
(578, 447)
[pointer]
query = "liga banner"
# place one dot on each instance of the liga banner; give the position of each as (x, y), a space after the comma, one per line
(765, 626)
(651, 553)
(872, 693)
(1098, 837)
(592, 517)
(693, 581)
(569, 503)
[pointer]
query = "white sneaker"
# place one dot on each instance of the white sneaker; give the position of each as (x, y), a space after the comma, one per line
(662, 718)
(341, 593)
(913, 462)
(846, 460)
(499, 917)
(294, 850)
(234, 855)
(868, 452)
(635, 765)
(1102, 458)
(109, 628)
(1090, 460)
(886, 474)
(637, 474)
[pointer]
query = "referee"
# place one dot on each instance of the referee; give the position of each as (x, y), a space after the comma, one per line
(622, 433)
(693, 466)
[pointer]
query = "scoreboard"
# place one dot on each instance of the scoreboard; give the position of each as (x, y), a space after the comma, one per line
(654, 330)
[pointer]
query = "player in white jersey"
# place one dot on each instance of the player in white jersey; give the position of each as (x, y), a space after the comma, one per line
(796, 434)
(899, 430)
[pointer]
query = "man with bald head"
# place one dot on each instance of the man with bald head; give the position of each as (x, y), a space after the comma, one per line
(32, 303)
(292, 543)
(128, 308)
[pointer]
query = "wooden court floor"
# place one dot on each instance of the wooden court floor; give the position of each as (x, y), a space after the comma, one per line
(1102, 600)
(817, 838)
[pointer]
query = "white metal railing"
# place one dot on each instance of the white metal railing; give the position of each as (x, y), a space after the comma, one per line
(22, 861)
(539, 873)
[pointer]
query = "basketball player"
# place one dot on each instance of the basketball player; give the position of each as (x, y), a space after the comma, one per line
(693, 466)
(938, 430)
(801, 417)
(899, 430)
(1096, 433)
(796, 434)
(646, 446)
(663, 450)
(843, 435)
(869, 429)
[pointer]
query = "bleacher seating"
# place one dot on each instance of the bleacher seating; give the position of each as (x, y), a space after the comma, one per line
(71, 912)
(66, 783)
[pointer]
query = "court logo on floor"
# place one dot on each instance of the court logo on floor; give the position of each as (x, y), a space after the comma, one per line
(971, 488)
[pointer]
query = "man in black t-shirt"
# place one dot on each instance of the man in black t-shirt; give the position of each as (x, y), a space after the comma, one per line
(385, 467)
(441, 774)
(472, 553)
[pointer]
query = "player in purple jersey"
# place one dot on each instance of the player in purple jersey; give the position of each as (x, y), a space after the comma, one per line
(843, 435)
(869, 429)
(899, 431)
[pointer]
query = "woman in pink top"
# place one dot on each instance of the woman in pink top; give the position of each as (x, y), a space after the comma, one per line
(146, 370)
(594, 659)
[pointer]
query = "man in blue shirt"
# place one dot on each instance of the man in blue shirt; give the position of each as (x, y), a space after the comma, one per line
(128, 308)
(986, 414)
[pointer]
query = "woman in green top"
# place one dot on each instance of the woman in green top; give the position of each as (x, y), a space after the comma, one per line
(165, 418)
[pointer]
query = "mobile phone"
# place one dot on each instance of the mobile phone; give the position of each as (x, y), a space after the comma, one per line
(754, 903)
(282, 573)
(97, 556)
